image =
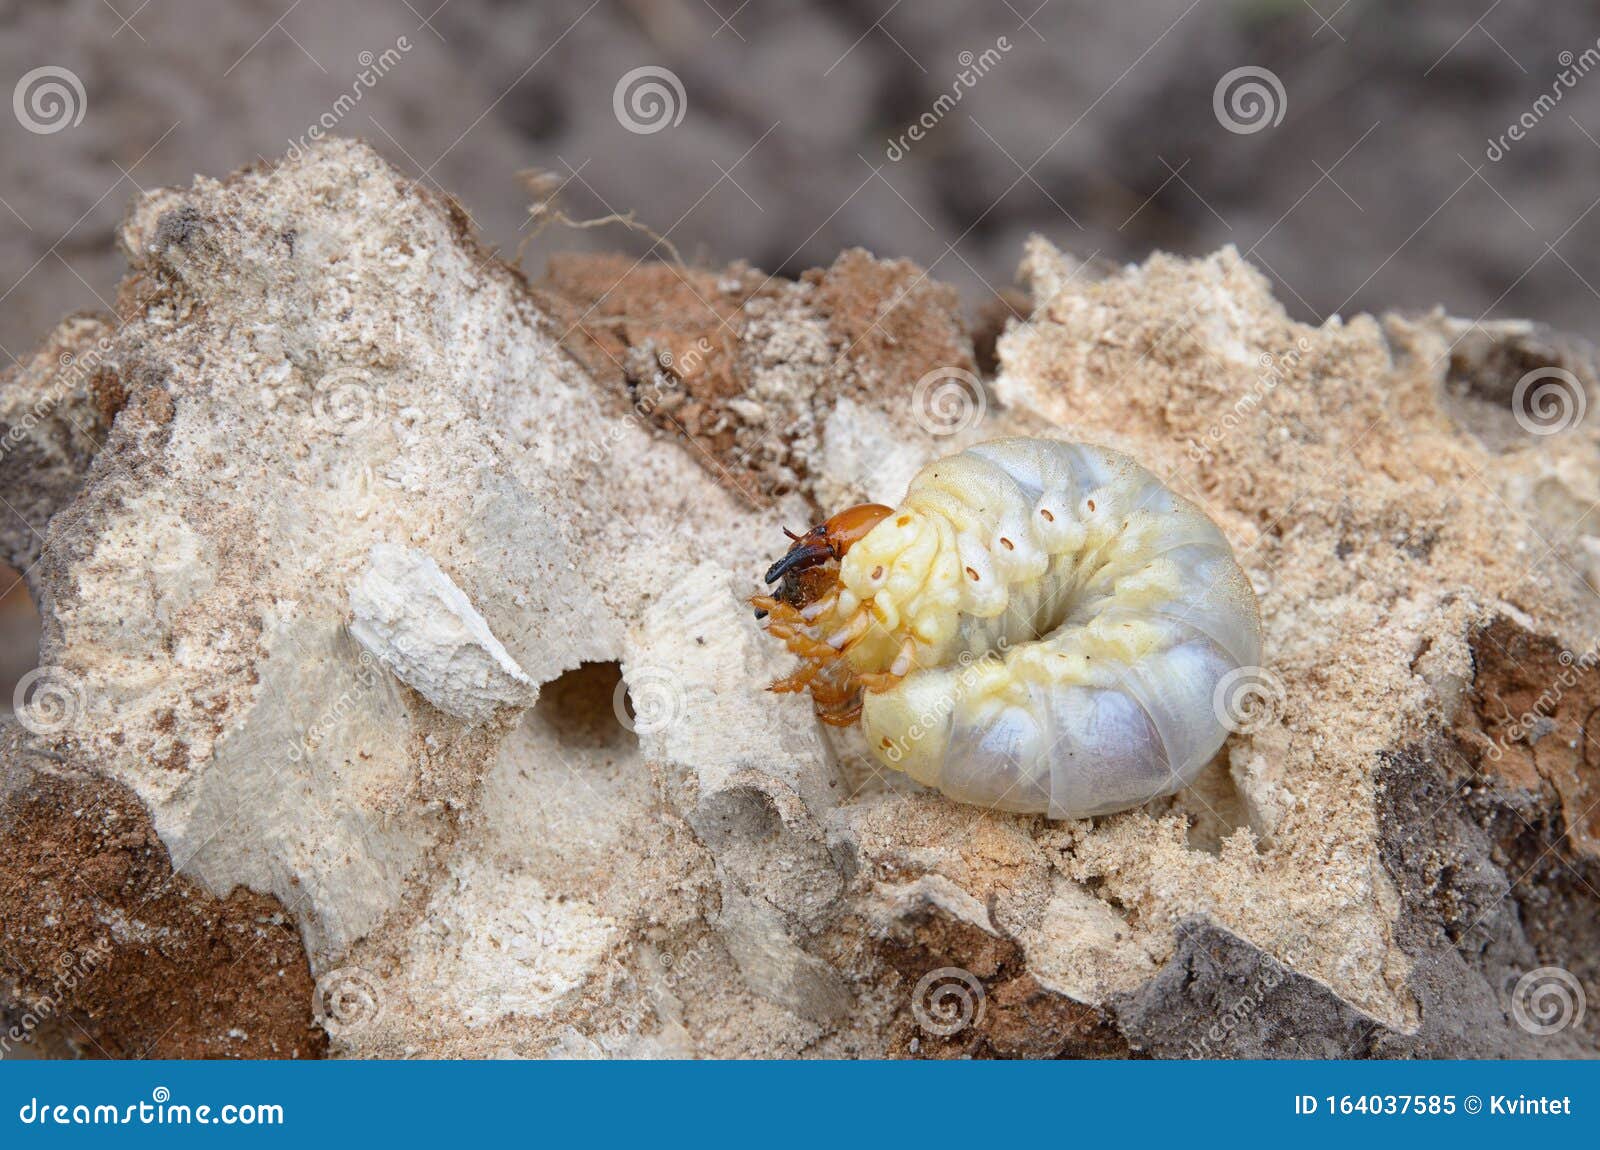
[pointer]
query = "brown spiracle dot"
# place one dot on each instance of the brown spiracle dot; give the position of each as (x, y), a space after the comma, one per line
(1048, 518)
(1007, 544)
(971, 574)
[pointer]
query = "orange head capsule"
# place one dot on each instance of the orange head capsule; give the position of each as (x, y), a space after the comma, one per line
(827, 542)
(808, 581)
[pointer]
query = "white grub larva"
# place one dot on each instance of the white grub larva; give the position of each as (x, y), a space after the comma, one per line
(1039, 627)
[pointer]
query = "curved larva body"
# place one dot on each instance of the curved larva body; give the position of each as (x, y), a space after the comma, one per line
(1048, 627)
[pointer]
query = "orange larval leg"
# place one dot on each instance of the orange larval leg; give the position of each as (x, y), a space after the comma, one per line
(855, 627)
(841, 718)
(831, 693)
(837, 697)
(802, 644)
(786, 622)
(878, 681)
(799, 681)
(814, 611)
(807, 592)
(904, 660)
(776, 609)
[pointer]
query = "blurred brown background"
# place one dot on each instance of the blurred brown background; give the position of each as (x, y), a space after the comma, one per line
(1371, 183)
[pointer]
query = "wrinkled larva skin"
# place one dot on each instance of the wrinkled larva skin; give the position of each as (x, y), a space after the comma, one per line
(1068, 619)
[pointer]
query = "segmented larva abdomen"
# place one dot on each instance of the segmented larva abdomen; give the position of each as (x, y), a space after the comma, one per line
(1075, 619)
